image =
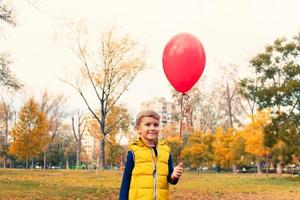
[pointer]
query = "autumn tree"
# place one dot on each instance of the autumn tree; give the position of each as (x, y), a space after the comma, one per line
(78, 127)
(199, 150)
(30, 133)
(254, 137)
(62, 151)
(69, 149)
(277, 70)
(228, 148)
(237, 149)
(53, 107)
(171, 135)
(108, 71)
(221, 147)
(115, 151)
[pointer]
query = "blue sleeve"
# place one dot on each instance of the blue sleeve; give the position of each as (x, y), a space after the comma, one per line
(124, 191)
(171, 169)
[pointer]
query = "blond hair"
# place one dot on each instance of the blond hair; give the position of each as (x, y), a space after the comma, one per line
(146, 113)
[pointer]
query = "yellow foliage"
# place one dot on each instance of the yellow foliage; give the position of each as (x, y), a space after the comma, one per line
(199, 151)
(228, 147)
(254, 134)
(30, 133)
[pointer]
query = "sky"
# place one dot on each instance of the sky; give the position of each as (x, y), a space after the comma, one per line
(231, 32)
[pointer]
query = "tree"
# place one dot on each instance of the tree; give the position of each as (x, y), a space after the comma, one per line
(7, 79)
(7, 15)
(78, 127)
(237, 149)
(52, 106)
(228, 148)
(109, 72)
(6, 117)
(115, 151)
(229, 102)
(253, 134)
(278, 72)
(170, 134)
(30, 135)
(199, 150)
(221, 147)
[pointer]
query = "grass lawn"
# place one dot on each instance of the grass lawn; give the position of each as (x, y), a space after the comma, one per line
(60, 184)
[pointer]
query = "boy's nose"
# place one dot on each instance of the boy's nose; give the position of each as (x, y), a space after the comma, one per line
(153, 127)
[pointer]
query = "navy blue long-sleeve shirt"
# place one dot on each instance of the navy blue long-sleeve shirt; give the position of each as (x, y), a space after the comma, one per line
(125, 186)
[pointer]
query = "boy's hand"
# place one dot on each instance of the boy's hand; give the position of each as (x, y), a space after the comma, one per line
(178, 170)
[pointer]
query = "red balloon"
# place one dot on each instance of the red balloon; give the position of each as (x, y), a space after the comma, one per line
(183, 61)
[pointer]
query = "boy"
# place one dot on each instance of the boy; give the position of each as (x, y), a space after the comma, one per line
(149, 168)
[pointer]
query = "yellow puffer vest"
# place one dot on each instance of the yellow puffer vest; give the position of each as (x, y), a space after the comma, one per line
(146, 182)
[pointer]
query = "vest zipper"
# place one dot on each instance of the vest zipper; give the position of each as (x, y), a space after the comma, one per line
(154, 160)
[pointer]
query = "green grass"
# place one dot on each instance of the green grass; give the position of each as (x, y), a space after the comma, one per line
(241, 186)
(79, 184)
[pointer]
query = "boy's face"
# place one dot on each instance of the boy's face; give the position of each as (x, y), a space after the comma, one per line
(148, 129)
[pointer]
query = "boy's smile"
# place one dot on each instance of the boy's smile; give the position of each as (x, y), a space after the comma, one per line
(148, 129)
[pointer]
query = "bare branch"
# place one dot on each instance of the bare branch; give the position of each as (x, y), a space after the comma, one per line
(124, 89)
(111, 127)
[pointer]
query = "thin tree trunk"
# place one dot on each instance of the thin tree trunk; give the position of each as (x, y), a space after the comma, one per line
(26, 165)
(258, 166)
(32, 163)
(4, 161)
(67, 163)
(229, 105)
(121, 161)
(279, 167)
(234, 168)
(97, 164)
(102, 146)
(45, 160)
(11, 164)
(78, 154)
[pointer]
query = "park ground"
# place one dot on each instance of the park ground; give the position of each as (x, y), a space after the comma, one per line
(80, 184)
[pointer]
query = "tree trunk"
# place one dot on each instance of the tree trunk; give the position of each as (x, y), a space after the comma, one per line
(102, 147)
(26, 165)
(97, 164)
(67, 163)
(78, 154)
(4, 161)
(279, 167)
(229, 105)
(121, 161)
(45, 160)
(258, 166)
(234, 168)
(31, 163)
(11, 164)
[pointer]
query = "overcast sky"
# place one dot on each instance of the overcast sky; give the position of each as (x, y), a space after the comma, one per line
(231, 31)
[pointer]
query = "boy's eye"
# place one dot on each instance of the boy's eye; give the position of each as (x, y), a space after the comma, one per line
(149, 124)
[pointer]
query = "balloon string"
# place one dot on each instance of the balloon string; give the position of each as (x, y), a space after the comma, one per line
(184, 114)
